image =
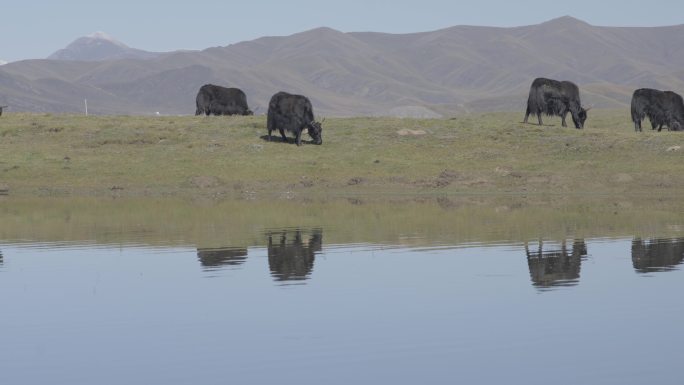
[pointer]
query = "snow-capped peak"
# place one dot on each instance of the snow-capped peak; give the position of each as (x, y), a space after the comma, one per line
(99, 35)
(2, 62)
(99, 46)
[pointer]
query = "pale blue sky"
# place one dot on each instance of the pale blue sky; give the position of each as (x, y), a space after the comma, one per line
(35, 29)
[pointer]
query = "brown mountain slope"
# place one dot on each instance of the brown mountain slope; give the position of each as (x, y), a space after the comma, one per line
(450, 71)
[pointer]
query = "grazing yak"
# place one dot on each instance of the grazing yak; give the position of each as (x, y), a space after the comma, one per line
(661, 108)
(1, 108)
(217, 100)
(293, 113)
(555, 98)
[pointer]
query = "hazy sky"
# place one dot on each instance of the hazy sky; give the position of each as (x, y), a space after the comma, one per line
(35, 29)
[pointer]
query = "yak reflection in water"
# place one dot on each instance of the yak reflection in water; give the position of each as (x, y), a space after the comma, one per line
(657, 254)
(219, 257)
(291, 253)
(553, 267)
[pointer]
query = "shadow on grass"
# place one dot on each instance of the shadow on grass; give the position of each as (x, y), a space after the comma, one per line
(535, 124)
(279, 139)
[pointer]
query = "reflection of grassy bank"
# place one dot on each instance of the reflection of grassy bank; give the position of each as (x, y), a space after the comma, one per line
(402, 221)
(192, 156)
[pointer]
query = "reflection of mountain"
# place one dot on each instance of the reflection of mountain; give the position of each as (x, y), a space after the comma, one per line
(657, 254)
(556, 267)
(213, 258)
(290, 257)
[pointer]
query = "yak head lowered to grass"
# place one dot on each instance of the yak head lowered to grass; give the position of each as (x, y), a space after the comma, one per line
(293, 113)
(579, 116)
(555, 98)
(315, 130)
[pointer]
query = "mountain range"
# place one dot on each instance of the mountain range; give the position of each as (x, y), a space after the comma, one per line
(446, 72)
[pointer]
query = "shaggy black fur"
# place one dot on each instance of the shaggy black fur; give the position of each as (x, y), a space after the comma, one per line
(555, 98)
(663, 108)
(293, 113)
(217, 100)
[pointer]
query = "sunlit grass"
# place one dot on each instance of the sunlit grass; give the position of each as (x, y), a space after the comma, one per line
(489, 153)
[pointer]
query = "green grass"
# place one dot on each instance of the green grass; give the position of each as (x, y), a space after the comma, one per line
(489, 153)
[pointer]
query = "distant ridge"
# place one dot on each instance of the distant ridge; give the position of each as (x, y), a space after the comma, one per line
(461, 69)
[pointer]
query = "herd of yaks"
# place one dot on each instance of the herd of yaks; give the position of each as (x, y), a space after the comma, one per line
(294, 113)
(286, 112)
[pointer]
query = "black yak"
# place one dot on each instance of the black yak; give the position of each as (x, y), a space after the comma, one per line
(661, 108)
(293, 113)
(217, 100)
(555, 98)
(1, 108)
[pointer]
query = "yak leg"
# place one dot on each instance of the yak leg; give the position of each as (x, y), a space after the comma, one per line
(270, 126)
(282, 133)
(539, 119)
(298, 140)
(637, 125)
(563, 119)
(527, 113)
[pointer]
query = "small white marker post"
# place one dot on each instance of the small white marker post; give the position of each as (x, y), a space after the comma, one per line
(86, 105)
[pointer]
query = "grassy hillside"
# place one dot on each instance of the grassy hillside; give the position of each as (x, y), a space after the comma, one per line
(228, 156)
(454, 70)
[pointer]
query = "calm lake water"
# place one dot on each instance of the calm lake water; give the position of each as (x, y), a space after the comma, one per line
(437, 291)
